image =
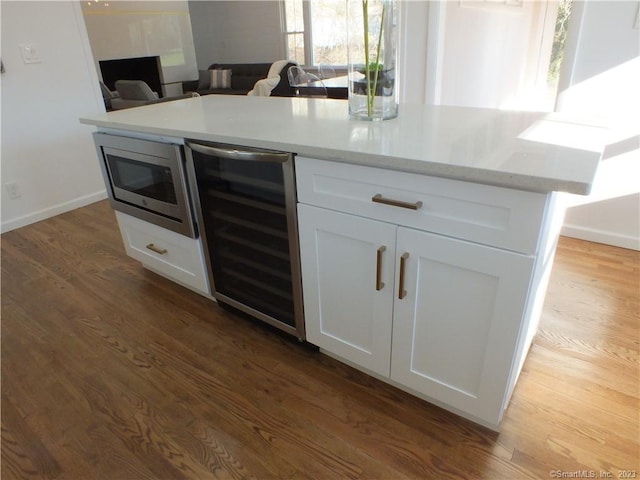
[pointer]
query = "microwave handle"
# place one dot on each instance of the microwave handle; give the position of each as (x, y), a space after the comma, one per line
(236, 154)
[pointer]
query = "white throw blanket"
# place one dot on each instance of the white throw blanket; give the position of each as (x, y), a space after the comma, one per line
(264, 86)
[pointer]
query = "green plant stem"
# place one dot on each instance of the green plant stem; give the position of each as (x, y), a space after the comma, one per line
(375, 81)
(367, 71)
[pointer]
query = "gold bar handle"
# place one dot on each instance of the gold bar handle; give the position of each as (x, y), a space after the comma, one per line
(378, 198)
(159, 250)
(401, 291)
(379, 282)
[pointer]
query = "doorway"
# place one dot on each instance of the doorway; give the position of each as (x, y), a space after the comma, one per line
(499, 54)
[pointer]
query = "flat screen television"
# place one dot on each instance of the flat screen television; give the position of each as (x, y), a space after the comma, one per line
(147, 69)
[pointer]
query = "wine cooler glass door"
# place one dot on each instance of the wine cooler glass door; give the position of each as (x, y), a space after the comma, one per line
(247, 216)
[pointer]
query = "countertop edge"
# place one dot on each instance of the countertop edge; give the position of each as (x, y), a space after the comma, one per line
(453, 172)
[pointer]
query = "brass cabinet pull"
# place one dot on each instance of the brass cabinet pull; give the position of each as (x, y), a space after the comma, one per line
(401, 291)
(378, 198)
(379, 282)
(159, 250)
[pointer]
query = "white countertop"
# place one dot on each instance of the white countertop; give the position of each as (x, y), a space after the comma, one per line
(523, 150)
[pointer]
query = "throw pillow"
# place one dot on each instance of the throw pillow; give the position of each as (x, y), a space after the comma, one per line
(220, 79)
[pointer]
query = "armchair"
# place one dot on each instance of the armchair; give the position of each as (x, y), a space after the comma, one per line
(108, 96)
(135, 93)
(306, 84)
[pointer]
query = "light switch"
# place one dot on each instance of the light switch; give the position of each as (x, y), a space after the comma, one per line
(30, 53)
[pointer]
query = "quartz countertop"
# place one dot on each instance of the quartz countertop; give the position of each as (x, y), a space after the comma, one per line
(540, 152)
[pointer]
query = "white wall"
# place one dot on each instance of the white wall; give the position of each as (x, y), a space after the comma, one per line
(123, 29)
(412, 51)
(601, 35)
(236, 31)
(601, 78)
(45, 149)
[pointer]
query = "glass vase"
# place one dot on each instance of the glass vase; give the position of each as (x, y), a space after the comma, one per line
(372, 33)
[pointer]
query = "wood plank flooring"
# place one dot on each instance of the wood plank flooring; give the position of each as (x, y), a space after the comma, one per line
(112, 372)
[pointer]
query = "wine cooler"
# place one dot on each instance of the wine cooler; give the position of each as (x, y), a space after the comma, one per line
(246, 209)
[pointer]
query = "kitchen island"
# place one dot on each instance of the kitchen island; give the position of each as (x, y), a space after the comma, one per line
(426, 241)
(529, 151)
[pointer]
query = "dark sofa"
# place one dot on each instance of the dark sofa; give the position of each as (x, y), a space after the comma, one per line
(243, 78)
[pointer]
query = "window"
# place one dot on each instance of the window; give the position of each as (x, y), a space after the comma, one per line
(294, 30)
(316, 31)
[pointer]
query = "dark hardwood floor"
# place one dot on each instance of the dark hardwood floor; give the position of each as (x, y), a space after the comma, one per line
(112, 372)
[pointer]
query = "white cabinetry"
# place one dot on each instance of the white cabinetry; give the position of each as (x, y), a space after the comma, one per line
(167, 253)
(347, 310)
(391, 291)
(456, 328)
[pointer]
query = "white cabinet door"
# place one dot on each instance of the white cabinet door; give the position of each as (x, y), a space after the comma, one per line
(348, 279)
(455, 330)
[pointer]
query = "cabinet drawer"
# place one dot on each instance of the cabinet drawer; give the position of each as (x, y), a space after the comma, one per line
(177, 257)
(485, 214)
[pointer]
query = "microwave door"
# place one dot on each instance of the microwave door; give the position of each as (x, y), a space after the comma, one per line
(146, 181)
(145, 178)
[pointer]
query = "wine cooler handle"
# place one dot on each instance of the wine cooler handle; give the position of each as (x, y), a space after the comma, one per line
(233, 153)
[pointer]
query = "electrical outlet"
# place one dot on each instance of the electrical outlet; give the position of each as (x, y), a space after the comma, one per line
(30, 53)
(12, 190)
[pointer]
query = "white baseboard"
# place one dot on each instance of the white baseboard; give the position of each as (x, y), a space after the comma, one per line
(49, 212)
(601, 236)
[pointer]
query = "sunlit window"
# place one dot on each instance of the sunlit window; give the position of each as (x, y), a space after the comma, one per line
(316, 31)
(294, 30)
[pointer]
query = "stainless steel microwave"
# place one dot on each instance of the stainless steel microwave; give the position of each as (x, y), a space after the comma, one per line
(146, 179)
